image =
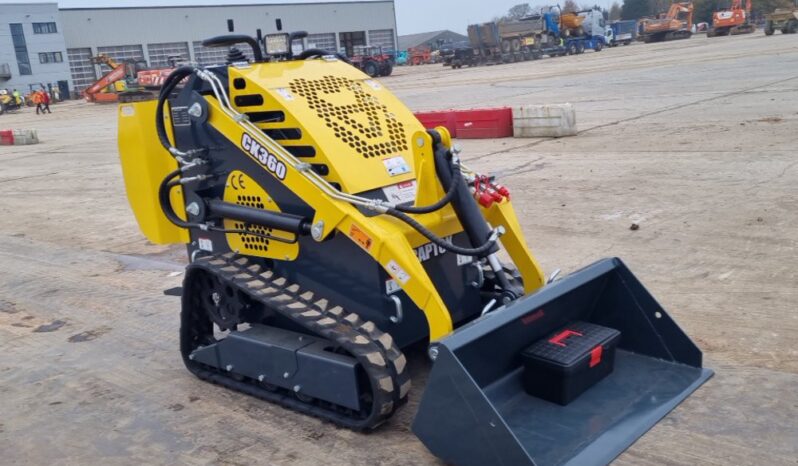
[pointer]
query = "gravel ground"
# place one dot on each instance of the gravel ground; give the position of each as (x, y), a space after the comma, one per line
(695, 141)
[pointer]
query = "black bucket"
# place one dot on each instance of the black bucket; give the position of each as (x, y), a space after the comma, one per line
(474, 410)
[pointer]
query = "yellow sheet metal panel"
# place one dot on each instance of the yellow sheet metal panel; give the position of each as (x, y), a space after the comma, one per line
(354, 123)
(145, 163)
(242, 190)
(503, 214)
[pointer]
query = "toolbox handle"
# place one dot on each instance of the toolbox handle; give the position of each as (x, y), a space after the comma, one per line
(564, 335)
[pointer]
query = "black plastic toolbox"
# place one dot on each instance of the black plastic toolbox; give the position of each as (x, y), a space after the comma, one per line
(567, 362)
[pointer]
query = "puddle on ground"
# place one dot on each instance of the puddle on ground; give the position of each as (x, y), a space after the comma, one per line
(8, 307)
(88, 335)
(51, 327)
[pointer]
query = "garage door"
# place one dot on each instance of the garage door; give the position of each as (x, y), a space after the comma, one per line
(325, 41)
(207, 56)
(81, 68)
(121, 53)
(382, 38)
(160, 53)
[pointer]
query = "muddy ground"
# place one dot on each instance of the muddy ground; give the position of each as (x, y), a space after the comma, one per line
(694, 141)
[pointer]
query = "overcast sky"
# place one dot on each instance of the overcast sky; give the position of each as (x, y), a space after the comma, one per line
(412, 16)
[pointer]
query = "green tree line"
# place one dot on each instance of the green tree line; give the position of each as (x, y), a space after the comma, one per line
(635, 9)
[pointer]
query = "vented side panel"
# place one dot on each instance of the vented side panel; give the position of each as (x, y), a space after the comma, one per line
(359, 119)
(340, 117)
(243, 190)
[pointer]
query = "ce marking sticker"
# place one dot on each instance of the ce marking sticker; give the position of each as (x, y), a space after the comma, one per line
(237, 181)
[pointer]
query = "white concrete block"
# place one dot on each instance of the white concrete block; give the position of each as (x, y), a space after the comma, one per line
(541, 121)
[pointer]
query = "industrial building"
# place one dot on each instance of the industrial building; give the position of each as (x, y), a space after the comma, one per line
(433, 40)
(32, 48)
(155, 34)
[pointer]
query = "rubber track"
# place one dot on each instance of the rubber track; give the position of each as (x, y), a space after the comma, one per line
(383, 362)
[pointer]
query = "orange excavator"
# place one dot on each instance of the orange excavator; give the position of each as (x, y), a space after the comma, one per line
(732, 21)
(129, 81)
(111, 84)
(677, 23)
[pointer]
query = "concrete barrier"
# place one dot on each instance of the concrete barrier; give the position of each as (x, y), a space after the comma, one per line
(18, 137)
(535, 121)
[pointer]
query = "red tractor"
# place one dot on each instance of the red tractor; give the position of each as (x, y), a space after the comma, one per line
(372, 61)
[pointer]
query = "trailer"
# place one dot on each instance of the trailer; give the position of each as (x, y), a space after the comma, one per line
(533, 37)
(513, 41)
(623, 32)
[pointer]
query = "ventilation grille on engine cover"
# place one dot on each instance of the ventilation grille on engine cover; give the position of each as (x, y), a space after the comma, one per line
(251, 242)
(366, 124)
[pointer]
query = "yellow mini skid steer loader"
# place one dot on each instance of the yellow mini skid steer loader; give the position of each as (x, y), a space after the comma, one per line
(327, 231)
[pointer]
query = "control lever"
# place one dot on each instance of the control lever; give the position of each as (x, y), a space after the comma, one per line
(232, 39)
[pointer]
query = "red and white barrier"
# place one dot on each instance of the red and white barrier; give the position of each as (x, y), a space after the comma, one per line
(525, 121)
(485, 123)
(18, 137)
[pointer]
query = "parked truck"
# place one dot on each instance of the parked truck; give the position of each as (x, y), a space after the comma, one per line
(506, 42)
(537, 35)
(783, 19)
(623, 32)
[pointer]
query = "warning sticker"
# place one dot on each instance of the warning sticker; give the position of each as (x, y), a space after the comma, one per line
(285, 93)
(396, 166)
(360, 237)
(127, 110)
(397, 272)
(391, 286)
(400, 193)
(373, 84)
(463, 260)
(205, 244)
(180, 116)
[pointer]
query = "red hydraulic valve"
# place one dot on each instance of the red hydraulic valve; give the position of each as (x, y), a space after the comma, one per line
(486, 193)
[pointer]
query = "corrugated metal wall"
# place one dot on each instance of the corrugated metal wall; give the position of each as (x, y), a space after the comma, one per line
(180, 30)
(324, 41)
(383, 38)
(160, 53)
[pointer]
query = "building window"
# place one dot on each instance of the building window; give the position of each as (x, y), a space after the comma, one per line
(20, 49)
(51, 57)
(44, 28)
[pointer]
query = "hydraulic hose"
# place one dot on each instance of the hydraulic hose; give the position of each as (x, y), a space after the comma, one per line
(446, 199)
(454, 178)
(164, 189)
(168, 86)
(478, 251)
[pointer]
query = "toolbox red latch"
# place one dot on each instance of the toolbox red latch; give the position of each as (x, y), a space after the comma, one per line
(595, 356)
(562, 336)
